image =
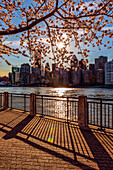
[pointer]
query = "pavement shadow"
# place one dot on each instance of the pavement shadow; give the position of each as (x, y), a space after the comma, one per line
(62, 140)
(18, 128)
(51, 132)
(101, 156)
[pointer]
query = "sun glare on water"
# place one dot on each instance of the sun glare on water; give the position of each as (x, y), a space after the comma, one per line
(60, 91)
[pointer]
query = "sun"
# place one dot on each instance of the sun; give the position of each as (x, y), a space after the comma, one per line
(60, 45)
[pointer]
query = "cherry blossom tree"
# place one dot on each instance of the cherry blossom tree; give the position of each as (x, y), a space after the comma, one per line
(46, 26)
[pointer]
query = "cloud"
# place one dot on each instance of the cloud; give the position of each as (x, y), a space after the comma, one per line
(106, 28)
(12, 43)
(86, 4)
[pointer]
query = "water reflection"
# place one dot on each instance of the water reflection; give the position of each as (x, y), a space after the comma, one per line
(75, 92)
(60, 91)
(60, 109)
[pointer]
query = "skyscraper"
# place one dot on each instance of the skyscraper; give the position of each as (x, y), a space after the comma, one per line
(100, 62)
(14, 70)
(74, 61)
(109, 73)
(24, 72)
(38, 59)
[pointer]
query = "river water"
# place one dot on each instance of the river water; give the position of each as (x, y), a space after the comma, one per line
(73, 92)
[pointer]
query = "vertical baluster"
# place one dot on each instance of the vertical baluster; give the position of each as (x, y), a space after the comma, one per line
(105, 115)
(24, 102)
(54, 107)
(108, 116)
(45, 105)
(48, 106)
(100, 113)
(87, 113)
(42, 105)
(71, 110)
(67, 109)
(91, 111)
(97, 113)
(75, 112)
(112, 116)
(94, 113)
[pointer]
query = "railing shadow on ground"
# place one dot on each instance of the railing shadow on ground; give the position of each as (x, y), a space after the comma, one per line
(67, 142)
(97, 144)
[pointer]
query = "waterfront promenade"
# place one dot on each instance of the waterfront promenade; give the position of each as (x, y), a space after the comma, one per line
(46, 143)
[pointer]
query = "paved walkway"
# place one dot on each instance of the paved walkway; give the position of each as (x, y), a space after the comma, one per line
(42, 143)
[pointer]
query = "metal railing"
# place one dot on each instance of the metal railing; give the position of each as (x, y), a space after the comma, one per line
(100, 112)
(19, 101)
(59, 107)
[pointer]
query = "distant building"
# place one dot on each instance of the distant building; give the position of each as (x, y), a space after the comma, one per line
(75, 77)
(42, 71)
(38, 59)
(53, 67)
(79, 76)
(10, 77)
(61, 72)
(100, 62)
(74, 61)
(92, 74)
(100, 76)
(109, 73)
(24, 72)
(56, 76)
(87, 77)
(47, 73)
(31, 79)
(99, 69)
(65, 77)
(92, 68)
(17, 77)
(82, 64)
(14, 70)
(73, 70)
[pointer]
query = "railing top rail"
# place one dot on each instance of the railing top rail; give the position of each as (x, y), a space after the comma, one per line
(91, 98)
(41, 95)
(19, 94)
(55, 96)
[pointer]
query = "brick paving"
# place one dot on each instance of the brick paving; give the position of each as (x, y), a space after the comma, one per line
(43, 143)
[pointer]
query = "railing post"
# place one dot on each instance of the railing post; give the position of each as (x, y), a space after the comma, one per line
(32, 104)
(5, 103)
(100, 114)
(82, 111)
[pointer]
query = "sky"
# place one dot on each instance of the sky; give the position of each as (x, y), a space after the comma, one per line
(18, 60)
